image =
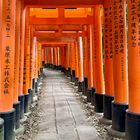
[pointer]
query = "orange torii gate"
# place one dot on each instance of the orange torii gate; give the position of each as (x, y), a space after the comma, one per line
(22, 52)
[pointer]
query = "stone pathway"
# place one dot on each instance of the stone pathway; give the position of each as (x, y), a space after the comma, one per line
(61, 115)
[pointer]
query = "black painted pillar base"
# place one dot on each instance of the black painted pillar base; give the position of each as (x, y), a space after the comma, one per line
(118, 116)
(43, 63)
(16, 106)
(85, 86)
(73, 76)
(107, 106)
(21, 99)
(1, 129)
(118, 120)
(36, 86)
(92, 96)
(9, 124)
(31, 96)
(132, 126)
(63, 69)
(98, 102)
(107, 110)
(89, 94)
(33, 83)
(80, 86)
(41, 71)
(54, 67)
(50, 66)
(69, 72)
(76, 81)
(30, 91)
(59, 67)
(47, 65)
(26, 103)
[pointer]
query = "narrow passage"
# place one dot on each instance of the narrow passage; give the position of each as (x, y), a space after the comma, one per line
(61, 115)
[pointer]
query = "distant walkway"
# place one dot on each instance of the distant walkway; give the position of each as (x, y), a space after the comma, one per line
(62, 117)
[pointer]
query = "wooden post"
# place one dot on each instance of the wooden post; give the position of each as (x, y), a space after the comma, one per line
(120, 74)
(7, 52)
(133, 114)
(108, 64)
(80, 64)
(98, 61)
(26, 79)
(86, 56)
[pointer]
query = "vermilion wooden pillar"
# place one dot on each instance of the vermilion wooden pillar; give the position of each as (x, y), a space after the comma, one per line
(86, 60)
(33, 62)
(49, 56)
(52, 57)
(80, 64)
(1, 120)
(39, 63)
(69, 60)
(16, 64)
(21, 59)
(108, 64)
(55, 57)
(43, 56)
(36, 65)
(133, 113)
(91, 89)
(93, 57)
(120, 103)
(76, 64)
(7, 52)
(63, 59)
(26, 79)
(72, 59)
(98, 61)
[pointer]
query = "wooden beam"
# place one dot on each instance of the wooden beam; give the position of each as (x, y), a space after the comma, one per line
(59, 34)
(61, 21)
(56, 27)
(56, 39)
(62, 3)
(53, 43)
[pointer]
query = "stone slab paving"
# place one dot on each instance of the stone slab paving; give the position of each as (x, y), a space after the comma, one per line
(61, 115)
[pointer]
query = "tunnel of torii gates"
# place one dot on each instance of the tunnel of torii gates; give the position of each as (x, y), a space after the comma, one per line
(88, 40)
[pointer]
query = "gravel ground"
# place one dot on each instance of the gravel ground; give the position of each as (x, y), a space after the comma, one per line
(31, 124)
